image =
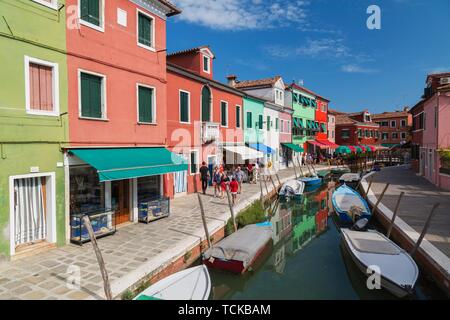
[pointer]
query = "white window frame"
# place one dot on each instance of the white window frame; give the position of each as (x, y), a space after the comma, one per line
(100, 28)
(197, 158)
(153, 103)
(55, 87)
(221, 115)
(208, 64)
(403, 123)
(104, 96)
(403, 135)
(189, 106)
(240, 116)
(347, 136)
(385, 136)
(153, 47)
(393, 122)
(211, 105)
(53, 5)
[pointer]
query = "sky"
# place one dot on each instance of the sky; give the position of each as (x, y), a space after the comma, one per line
(324, 43)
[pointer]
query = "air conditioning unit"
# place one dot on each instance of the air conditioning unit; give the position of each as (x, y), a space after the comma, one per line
(445, 80)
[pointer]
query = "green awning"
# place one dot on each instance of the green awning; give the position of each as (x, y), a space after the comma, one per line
(390, 145)
(127, 163)
(300, 123)
(324, 127)
(343, 149)
(358, 149)
(294, 147)
(295, 123)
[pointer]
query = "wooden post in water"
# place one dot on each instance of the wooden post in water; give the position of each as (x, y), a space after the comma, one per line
(260, 186)
(295, 170)
(425, 229)
(273, 183)
(308, 169)
(230, 204)
(205, 225)
(265, 184)
(279, 181)
(366, 193)
(388, 234)
(380, 198)
(300, 167)
(101, 262)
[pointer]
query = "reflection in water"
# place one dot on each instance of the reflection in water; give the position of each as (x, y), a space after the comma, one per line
(306, 261)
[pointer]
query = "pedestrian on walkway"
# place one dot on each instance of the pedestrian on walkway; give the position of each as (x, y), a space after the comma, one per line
(217, 177)
(255, 172)
(234, 187)
(224, 182)
(239, 176)
(204, 176)
(250, 172)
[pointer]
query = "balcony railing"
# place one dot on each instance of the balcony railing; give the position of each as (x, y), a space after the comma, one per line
(210, 132)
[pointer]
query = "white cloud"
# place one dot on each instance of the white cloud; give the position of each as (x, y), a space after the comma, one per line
(243, 14)
(353, 68)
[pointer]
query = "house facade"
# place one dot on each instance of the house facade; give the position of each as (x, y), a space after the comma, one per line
(205, 117)
(418, 124)
(253, 113)
(285, 132)
(395, 127)
(331, 127)
(356, 129)
(33, 113)
(116, 162)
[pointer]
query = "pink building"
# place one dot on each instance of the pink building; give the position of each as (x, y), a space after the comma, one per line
(285, 133)
(436, 131)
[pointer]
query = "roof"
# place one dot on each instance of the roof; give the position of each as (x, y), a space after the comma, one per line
(174, 9)
(187, 51)
(268, 82)
(395, 114)
(438, 75)
(444, 87)
(343, 119)
(296, 86)
(334, 112)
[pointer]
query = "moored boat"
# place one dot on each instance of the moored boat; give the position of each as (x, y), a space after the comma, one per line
(324, 174)
(292, 188)
(369, 249)
(189, 284)
(241, 250)
(311, 181)
(349, 205)
(340, 170)
(350, 178)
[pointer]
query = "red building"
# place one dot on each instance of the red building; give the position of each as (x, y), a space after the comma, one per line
(117, 83)
(356, 129)
(418, 126)
(204, 120)
(395, 127)
(322, 118)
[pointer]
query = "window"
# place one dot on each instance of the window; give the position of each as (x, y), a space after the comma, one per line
(146, 105)
(277, 123)
(384, 136)
(194, 162)
(145, 30)
(288, 129)
(206, 64)
(421, 124)
(185, 106)
(403, 135)
(282, 125)
(435, 116)
(91, 13)
(48, 3)
(224, 113)
(366, 133)
(206, 104)
(345, 133)
(323, 107)
(383, 123)
(332, 134)
(92, 96)
(41, 87)
(394, 135)
(360, 133)
(249, 120)
(260, 121)
(367, 117)
(268, 123)
(403, 123)
(393, 124)
(238, 116)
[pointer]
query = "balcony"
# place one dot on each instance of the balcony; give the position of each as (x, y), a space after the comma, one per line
(210, 132)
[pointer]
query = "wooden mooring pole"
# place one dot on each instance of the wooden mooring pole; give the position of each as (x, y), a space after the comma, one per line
(273, 183)
(300, 167)
(366, 193)
(98, 253)
(295, 170)
(260, 186)
(265, 184)
(205, 225)
(279, 181)
(425, 229)
(230, 204)
(391, 225)
(380, 198)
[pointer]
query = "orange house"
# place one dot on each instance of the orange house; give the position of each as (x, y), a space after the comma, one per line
(204, 119)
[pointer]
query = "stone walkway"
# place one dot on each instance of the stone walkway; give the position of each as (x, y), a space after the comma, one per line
(132, 253)
(420, 196)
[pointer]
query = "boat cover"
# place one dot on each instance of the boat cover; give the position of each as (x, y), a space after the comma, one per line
(243, 245)
(371, 242)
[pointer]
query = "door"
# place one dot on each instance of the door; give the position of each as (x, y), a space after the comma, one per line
(212, 162)
(422, 163)
(180, 182)
(120, 200)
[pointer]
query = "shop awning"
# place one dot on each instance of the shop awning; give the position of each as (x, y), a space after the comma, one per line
(294, 147)
(329, 144)
(245, 153)
(317, 144)
(262, 147)
(127, 163)
(390, 145)
(343, 149)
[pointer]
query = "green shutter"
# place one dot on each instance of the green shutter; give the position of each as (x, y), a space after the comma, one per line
(268, 123)
(260, 122)
(145, 105)
(193, 163)
(91, 96)
(145, 30)
(184, 107)
(223, 114)
(276, 123)
(249, 120)
(238, 116)
(90, 11)
(206, 104)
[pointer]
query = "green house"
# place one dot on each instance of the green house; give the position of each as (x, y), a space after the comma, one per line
(253, 120)
(33, 130)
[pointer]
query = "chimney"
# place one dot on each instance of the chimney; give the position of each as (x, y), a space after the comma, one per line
(232, 80)
(406, 109)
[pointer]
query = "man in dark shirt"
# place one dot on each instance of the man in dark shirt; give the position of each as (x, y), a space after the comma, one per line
(204, 176)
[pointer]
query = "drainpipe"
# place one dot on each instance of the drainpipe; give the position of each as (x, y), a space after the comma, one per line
(2, 151)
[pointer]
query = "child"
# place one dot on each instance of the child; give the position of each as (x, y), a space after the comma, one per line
(234, 187)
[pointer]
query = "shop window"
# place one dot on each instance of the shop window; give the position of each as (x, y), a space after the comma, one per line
(87, 194)
(148, 188)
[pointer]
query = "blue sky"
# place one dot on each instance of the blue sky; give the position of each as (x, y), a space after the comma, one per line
(325, 43)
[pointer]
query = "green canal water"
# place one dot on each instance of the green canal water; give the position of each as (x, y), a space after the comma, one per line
(307, 260)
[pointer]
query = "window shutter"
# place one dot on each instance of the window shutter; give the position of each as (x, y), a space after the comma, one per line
(91, 96)
(249, 120)
(144, 30)
(223, 113)
(238, 116)
(145, 105)
(276, 124)
(268, 123)
(260, 122)
(206, 104)
(184, 107)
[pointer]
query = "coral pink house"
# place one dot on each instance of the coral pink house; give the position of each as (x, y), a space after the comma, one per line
(436, 132)
(117, 105)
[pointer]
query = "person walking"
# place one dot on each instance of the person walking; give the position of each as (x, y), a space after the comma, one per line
(234, 187)
(224, 182)
(217, 177)
(250, 172)
(255, 172)
(239, 176)
(204, 176)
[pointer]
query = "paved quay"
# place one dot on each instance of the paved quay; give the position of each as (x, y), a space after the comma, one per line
(134, 252)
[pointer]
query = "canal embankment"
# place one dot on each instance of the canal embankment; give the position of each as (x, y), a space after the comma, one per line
(413, 211)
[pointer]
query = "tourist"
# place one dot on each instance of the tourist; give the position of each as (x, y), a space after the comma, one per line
(269, 169)
(239, 176)
(250, 172)
(255, 172)
(224, 182)
(217, 177)
(234, 187)
(204, 176)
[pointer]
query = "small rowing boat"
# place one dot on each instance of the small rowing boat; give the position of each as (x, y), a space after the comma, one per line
(373, 252)
(349, 178)
(292, 188)
(189, 284)
(349, 205)
(311, 181)
(340, 170)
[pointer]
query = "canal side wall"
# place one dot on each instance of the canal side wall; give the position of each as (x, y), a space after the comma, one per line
(428, 257)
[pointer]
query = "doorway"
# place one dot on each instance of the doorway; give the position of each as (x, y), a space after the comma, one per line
(120, 200)
(212, 162)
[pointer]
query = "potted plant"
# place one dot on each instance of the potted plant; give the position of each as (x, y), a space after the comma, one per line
(445, 161)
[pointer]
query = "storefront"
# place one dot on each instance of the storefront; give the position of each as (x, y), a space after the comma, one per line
(114, 186)
(292, 153)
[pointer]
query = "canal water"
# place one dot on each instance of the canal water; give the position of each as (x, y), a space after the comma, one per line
(307, 261)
